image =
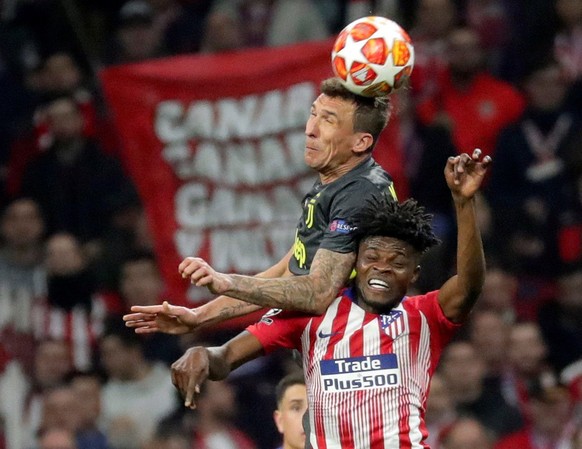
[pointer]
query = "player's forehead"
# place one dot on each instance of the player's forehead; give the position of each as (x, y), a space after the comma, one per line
(337, 105)
(386, 244)
(295, 392)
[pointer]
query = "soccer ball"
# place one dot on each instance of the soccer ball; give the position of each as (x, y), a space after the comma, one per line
(372, 56)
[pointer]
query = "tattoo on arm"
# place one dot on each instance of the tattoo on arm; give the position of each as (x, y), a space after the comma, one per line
(311, 293)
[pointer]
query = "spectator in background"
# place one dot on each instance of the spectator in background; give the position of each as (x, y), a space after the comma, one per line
(21, 273)
(140, 282)
(215, 419)
(435, 19)
(527, 353)
(73, 181)
(489, 334)
(464, 373)
(440, 410)
(61, 409)
(561, 320)
(291, 395)
(568, 41)
(472, 103)
(136, 38)
(550, 413)
(73, 309)
(467, 433)
(499, 293)
(138, 394)
(232, 25)
(87, 390)
(531, 192)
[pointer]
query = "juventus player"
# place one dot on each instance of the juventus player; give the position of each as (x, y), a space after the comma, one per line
(369, 358)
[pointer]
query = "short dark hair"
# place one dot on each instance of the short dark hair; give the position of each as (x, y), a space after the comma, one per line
(371, 114)
(406, 221)
(287, 382)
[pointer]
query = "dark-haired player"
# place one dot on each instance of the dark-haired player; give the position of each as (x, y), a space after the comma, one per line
(291, 395)
(341, 132)
(368, 359)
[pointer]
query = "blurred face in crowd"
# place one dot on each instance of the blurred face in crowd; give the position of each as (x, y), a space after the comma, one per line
(439, 404)
(464, 52)
(467, 433)
(64, 120)
(61, 409)
(289, 416)
(546, 88)
(222, 32)
(569, 11)
(498, 291)
(61, 73)
(119, 360)
(462, 369)
(551, 411)
(64, 255)
(22, 224)
(139, 41)
(57, 438)
(88, 388)
(570, 291)
(436, 17)
(527, 349)
(52, 362)
(489, 335)
(218, 401)
(141, 283)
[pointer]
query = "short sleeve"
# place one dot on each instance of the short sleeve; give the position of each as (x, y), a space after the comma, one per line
(345, 206)
(279, 329)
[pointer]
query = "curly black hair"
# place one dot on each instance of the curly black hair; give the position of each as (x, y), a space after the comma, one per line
(406, 221)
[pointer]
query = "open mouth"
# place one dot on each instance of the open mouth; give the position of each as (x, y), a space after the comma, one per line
(378, 284)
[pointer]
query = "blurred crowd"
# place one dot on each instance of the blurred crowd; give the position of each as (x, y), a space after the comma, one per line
(76, 252)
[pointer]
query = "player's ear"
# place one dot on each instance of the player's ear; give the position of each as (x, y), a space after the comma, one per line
(415, 275)
(278, 421)
(363, 142)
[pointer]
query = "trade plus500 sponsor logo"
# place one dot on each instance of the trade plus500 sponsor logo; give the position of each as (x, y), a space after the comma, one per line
(360, 373)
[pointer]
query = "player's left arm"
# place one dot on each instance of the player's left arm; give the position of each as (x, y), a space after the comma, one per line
(464, 175)
(199, 364)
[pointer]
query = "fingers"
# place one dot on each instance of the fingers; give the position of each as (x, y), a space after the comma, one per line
(147, 309)
(192, 389)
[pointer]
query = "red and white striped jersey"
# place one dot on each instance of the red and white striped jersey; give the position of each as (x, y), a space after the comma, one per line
(367, 375)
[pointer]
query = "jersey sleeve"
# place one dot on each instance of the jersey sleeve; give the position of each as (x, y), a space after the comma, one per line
(279, 329)
(345, 206)
(442, 329)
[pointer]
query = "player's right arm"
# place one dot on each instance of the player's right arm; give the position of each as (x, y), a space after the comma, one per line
(171, 319)
(198, 364)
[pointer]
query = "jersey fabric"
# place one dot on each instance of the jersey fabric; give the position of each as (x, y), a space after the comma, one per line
(367, 375)
(328, 211)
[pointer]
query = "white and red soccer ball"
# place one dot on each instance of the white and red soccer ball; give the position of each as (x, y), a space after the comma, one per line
(373, 56)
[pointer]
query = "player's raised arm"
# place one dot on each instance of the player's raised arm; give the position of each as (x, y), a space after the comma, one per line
(464, 175)
(198, 364)
(172, 319)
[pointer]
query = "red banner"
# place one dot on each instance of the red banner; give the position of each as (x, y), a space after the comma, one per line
(215, 146)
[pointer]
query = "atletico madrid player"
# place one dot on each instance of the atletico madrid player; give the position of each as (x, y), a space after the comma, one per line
(369, 358)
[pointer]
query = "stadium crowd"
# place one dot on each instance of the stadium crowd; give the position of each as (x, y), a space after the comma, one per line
(76, 253)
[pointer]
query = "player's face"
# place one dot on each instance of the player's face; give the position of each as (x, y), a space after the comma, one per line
(289, 416)
(385, 269)
(330, 134)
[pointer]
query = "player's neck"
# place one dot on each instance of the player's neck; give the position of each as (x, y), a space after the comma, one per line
(335, 173)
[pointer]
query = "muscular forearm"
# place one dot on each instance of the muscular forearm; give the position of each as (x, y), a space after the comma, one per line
(470, 256)
(310, 294)
(224, 308)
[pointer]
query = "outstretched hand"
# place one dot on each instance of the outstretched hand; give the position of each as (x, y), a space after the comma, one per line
(189, 372)
(464, 173)
(165, 318)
